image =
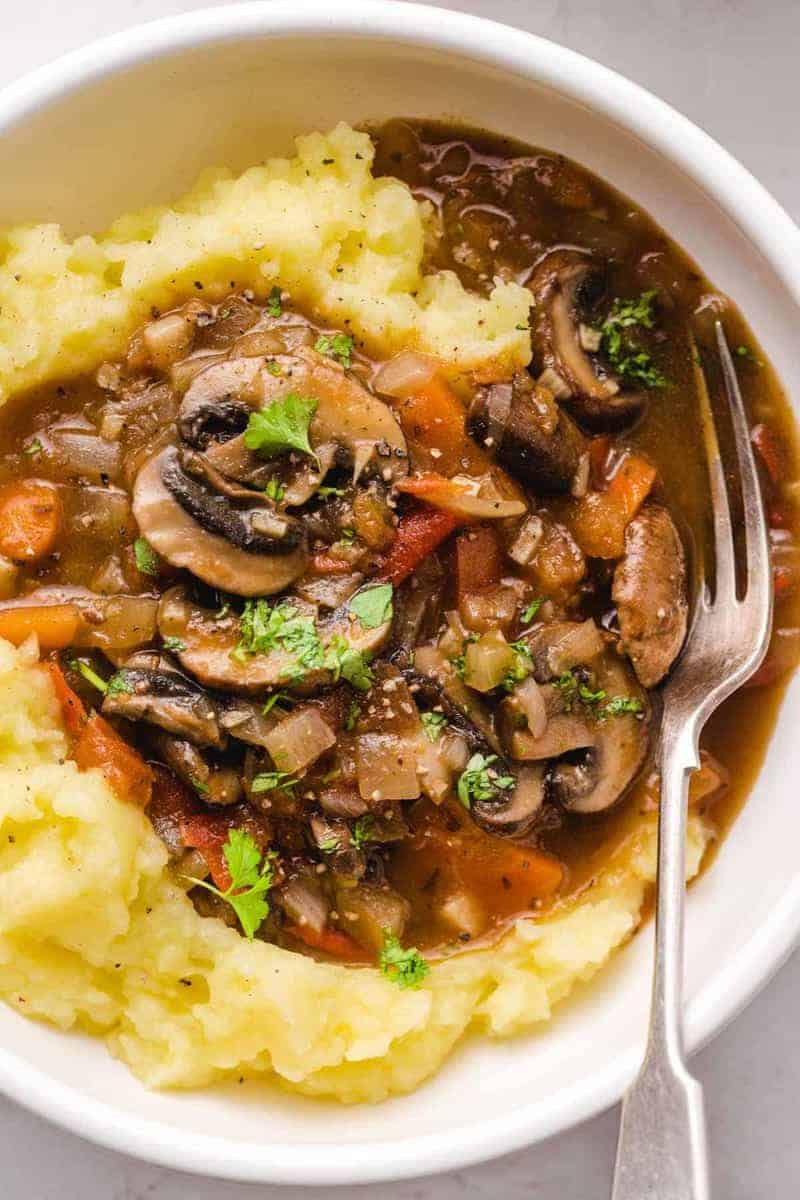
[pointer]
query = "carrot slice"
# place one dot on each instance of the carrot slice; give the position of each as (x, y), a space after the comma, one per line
(55, 625)
(599, 519)
(30, 520)
(329, 941)
(126, 772)
(418, 535)
(72, 710)
(434, 421)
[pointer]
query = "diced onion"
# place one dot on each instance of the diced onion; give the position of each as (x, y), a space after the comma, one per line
(529, 696)
(168, 339)
(386, 767)
(299, 739)
(526, 543)
(405, 373)
(303, 902)
(464, 913)
(260, 344)
(555, 384)
(487, 661)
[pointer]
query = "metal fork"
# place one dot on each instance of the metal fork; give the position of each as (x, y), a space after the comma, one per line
(661, 1153)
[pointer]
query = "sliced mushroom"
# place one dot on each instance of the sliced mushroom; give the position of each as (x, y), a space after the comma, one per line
(214, 407)
(528, 433)
(432, 668)
(515, 813)
(214, 784)
(210, 640)
(561, 645)
(250, 552)
(650, 593)
(601, 775)
(163, 697)
(332, 837)
(564, 285)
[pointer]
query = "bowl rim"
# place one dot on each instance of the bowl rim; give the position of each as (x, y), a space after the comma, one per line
(766, 225)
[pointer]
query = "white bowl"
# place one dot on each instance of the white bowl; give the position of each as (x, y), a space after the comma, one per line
(131, 119)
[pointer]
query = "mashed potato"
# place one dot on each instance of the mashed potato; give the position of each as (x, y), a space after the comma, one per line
(93, 931)
(94, 934)
(347, 247)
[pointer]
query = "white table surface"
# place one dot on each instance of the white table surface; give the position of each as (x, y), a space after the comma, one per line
(732, 66)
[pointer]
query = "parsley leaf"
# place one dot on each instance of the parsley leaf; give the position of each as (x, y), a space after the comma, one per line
(406, 967)
(89, 674)
(347, 535)
(33, 447)
(118, 684)
(625, 356)
(251, 879)
(147, 561)
(274, 302)
(275, 490)
(521, 669)
(337, 345)
(175, 644)
(362, 831)
(618, 706)
(268, 781)
(573, 689)
(324, 492)
(353, 713)
(282, 426)
(373, 606)
(433, 725)
(532, 609)
(478, 782)
(329, 845)
(279, 699)
(348, 663)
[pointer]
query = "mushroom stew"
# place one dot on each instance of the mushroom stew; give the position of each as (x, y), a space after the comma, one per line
(378, 646)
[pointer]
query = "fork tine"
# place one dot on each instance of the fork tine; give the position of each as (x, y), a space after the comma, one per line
(759, 573)
(725, 559)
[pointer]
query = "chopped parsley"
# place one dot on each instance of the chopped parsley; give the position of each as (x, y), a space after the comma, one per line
(626, 357)
(89, 674)
(741, 352)
(119, 684)
(353, 713)
(347, 535)
(460, 660)
(373, 606)
(275, 302)
(479, 782)
(532, 609)
(269, 781)
(619, 706)
(325, 491)
(282, 426)
(147, 561)
(262, 629)
(279, 699)
(329, 845)
(175, 644)
(406, 967)
(433, 725)
(33, 447)
(273, 368)
(362, 831)
(275, 490)
(251, 879)
(337, 345)
(521, 668)
(574, 690)
(200, 787)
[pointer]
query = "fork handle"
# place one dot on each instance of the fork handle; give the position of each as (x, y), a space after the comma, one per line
(661, 1153)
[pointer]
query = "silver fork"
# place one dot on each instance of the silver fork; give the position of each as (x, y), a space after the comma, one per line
(661, 1153)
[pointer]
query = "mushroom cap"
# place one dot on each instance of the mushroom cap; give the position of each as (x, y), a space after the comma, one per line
(563, 283)
(528, 433)
(180, 537)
